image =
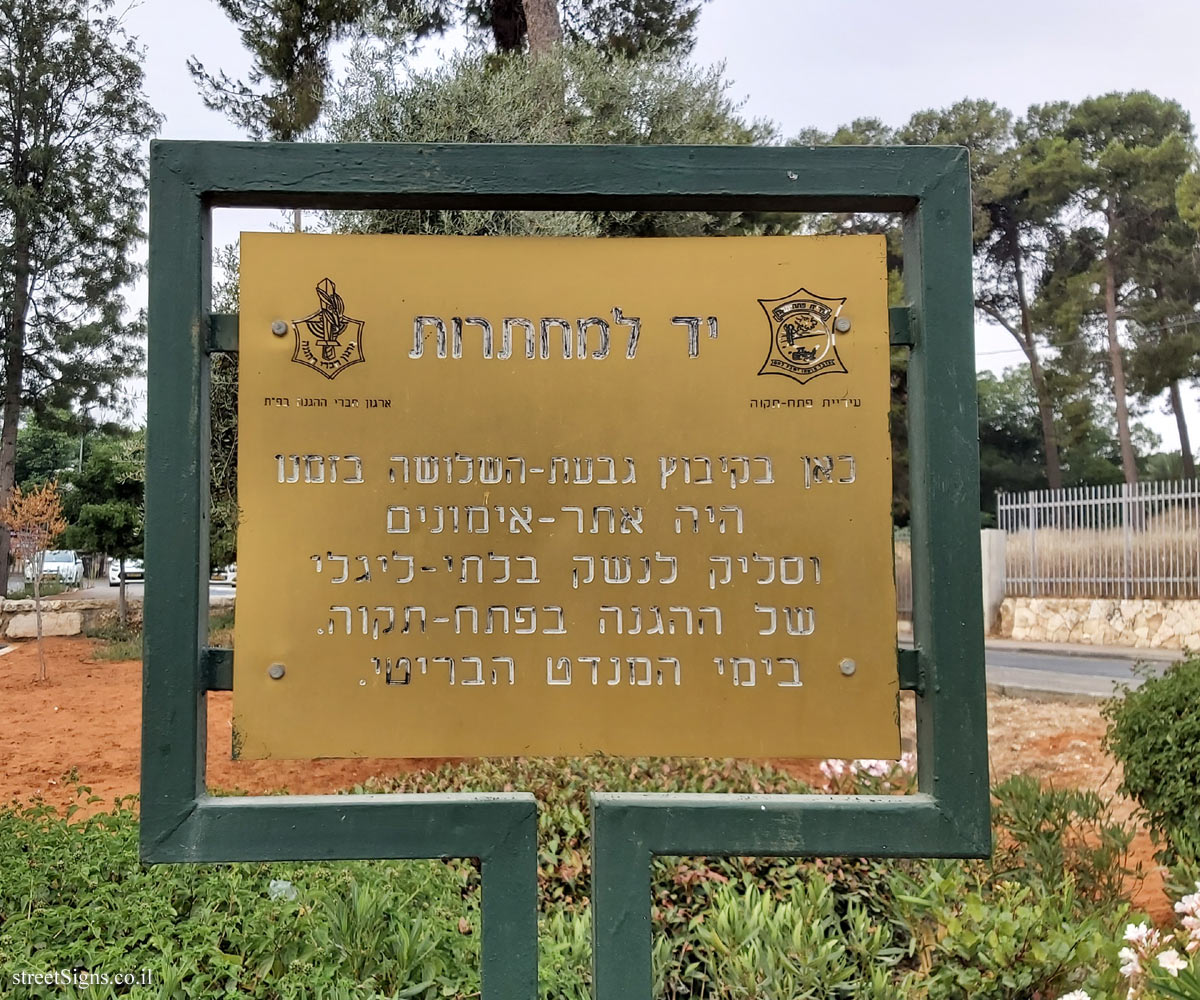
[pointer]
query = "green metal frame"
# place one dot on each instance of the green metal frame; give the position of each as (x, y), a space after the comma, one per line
(949, 816)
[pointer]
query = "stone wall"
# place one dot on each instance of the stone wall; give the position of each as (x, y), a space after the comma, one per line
(1143, 624)
(69, 617)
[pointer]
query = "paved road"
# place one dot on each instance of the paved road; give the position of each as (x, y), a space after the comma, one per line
(1083, 664)
(99, 590)
(1072, 671)
(1062, 669)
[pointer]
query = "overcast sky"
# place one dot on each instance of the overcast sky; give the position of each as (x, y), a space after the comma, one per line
(820, 63)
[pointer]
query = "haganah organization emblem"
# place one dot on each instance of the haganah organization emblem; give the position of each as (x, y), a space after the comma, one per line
(328, 341)
(803, 336)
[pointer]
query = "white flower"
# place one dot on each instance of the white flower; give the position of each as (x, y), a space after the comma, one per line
(1139, 933)
(833, 768)
(1075, 995)
(874, 768)
(1171, 961)
(1131, 963)
(1189, 909)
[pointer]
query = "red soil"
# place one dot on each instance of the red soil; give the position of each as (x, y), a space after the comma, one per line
(86, 718)
(85, 722)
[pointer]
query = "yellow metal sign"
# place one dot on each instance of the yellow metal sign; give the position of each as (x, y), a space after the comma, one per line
(549, 496)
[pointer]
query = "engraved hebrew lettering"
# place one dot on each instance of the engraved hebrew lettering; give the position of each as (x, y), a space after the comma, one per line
(519, 520)
(597, 512)
(794, 620)
(478, 678)
(693, 327)
(795, 681)
(635, 329)
(512, 674)
(493, 612)
(769, 628)
(601, 351)
(591, 570)
(492, 557)
(530, 614)
(716, 614)
(485, 329)
(419, 324)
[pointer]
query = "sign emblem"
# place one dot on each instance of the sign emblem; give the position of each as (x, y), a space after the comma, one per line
(328, 341)
(803, 336)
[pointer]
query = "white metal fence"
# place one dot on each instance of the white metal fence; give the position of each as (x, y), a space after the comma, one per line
(1103, 541)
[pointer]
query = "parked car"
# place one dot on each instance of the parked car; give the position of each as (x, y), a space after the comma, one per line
(134, 570)
(63, 565)
(224, 574)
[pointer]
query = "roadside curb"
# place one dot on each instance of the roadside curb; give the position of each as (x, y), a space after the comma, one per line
(1004, 690)
(1097, 652)
(904, 639)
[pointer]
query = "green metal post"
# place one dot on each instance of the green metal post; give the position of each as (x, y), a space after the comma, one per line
(949, 816)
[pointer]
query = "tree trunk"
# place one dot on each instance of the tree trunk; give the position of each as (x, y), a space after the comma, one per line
(122, 607)
(14, 375)
(1185, 444)
(1128, 461)
(38, 561)
(543, 26)
(1054, 476)
(1045, 409)
(508, 25)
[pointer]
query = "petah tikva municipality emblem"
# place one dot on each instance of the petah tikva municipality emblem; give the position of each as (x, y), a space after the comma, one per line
(328, 341)
(803, 336)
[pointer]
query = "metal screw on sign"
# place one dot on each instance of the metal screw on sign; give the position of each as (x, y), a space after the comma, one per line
(847, 667)
(276, 670)
(842, 324)
(279, 328)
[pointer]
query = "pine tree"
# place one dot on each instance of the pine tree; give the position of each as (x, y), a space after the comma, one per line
(1134, 150)
(290, 40)
(73, 130)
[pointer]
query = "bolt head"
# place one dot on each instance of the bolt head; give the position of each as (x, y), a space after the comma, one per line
(279, 328)
(276, 670)
(847, 667)
(842, 324)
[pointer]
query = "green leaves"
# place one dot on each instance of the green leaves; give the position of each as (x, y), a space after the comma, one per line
(1154, 731)
(74, 125)
(1185, 987)
(74, 896)
(1060, 836)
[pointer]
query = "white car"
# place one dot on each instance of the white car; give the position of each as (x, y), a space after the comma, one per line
(134, 570)
(224, 574)
(63, 565)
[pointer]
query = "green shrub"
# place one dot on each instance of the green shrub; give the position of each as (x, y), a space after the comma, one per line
(1050, 835)
(1154, 731)
(74, 896)
(753, 946)
(1182, 878)
(48, 588)
(117, 641)
(124, 642)
(1185, 987)
(562, 786)
(565, 955)
(982, 940)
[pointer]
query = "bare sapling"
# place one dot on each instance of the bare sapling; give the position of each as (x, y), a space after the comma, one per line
(34, 519)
